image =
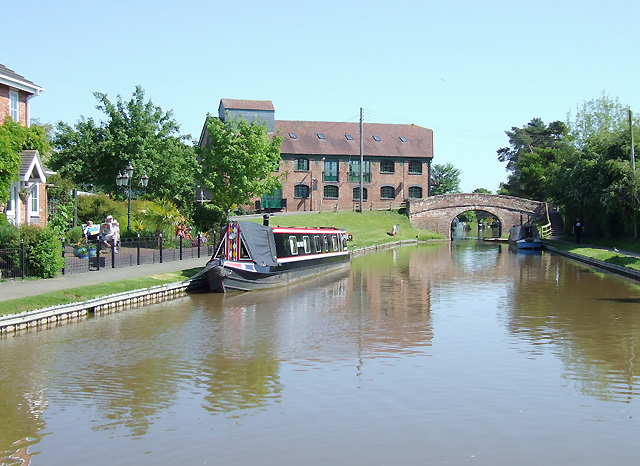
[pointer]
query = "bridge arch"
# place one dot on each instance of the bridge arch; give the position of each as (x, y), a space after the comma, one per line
(436, 213)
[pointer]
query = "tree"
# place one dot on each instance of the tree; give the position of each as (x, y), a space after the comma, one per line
(239, 161)
(532, 154)
(598, 118)
(137, 132)
(482, 191)
(15, 138)
(162, 216)
(445, 179)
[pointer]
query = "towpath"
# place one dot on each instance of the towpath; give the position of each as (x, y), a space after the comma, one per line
(12, 289)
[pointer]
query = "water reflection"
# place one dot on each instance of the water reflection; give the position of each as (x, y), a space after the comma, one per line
(458, 333)
(587, 317)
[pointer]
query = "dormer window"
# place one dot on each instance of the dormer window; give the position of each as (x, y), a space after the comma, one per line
(293, 136)
(376, 138)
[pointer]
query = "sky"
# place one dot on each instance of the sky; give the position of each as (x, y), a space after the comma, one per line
(468, 70)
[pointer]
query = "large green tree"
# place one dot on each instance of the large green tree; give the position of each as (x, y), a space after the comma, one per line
(134, 131)
(445, 179)
(15, 138)
(598, 118)
(239, 161)
(532, 154)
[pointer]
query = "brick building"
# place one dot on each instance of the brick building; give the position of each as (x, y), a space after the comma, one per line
(27, 195)
(322, 161)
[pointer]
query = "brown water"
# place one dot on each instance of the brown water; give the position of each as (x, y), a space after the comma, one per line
(461, 353)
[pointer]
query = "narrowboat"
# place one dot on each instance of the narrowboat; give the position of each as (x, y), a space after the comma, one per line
(525, 236)
(253, 256)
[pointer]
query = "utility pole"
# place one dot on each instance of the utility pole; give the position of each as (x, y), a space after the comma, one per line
(361, 159)
(633, 154)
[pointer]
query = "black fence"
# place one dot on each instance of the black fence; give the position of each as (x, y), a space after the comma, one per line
(14, 262)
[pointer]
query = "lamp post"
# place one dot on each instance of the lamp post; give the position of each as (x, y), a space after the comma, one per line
(124, 179)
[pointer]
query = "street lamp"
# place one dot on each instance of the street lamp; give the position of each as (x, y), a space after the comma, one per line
(124, 179)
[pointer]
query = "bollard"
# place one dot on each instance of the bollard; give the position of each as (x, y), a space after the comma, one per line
(113, 253)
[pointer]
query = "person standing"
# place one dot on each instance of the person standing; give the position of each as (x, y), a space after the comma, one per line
(577, 229)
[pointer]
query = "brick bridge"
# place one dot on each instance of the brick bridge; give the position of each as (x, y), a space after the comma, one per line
(436, 213)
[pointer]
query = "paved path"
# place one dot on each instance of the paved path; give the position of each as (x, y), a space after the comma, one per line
(20, 288)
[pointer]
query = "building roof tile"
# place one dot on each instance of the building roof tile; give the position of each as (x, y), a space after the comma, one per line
(419, 140)
(266, 105)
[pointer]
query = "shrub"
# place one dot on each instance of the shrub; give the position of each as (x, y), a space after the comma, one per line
(43, 250)
(74, 235)
(97, 207)
(207, 217)
(9, 235)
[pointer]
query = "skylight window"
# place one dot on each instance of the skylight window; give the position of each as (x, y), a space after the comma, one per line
(320, 136)
(376, 138)
(403, 139)
(349, 137)
(293, 136)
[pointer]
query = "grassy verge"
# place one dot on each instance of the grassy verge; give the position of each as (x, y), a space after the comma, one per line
(600, 253)
(84, 293)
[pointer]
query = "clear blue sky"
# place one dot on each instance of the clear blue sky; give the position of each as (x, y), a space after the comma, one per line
(469, 70)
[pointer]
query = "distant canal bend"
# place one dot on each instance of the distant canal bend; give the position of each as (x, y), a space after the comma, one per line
(457, 353)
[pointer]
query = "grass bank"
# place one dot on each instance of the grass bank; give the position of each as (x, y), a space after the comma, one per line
(84, 293)
(367, 229)
(602, 253)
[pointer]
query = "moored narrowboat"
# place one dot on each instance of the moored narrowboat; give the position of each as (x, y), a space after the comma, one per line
(525, 236)
(252, 256)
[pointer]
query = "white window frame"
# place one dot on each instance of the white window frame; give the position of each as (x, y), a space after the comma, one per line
(33, 198)
(14, 105)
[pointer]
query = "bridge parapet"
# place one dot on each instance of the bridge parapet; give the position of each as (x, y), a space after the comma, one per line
(436, 213)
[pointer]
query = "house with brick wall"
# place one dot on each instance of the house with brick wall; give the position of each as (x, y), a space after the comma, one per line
(28, 196)
(321, 161)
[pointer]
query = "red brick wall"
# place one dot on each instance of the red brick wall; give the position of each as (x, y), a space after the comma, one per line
(401, 180)
(5, 103)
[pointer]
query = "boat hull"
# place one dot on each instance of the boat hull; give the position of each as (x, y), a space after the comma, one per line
(223, 276)
(533, 244)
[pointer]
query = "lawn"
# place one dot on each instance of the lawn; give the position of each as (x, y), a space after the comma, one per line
(367, 228)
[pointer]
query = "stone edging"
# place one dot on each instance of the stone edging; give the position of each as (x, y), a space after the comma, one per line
(618, 269)
(57, 315)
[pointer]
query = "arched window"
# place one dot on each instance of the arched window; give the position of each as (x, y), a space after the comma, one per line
(415, 192)
(330, 191)
(301, 191)
(387, 192)
(356, 194)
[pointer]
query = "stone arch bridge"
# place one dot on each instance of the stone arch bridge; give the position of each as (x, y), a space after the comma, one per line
(436, 213)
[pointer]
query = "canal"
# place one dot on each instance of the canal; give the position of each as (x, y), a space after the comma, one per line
(454, 353)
